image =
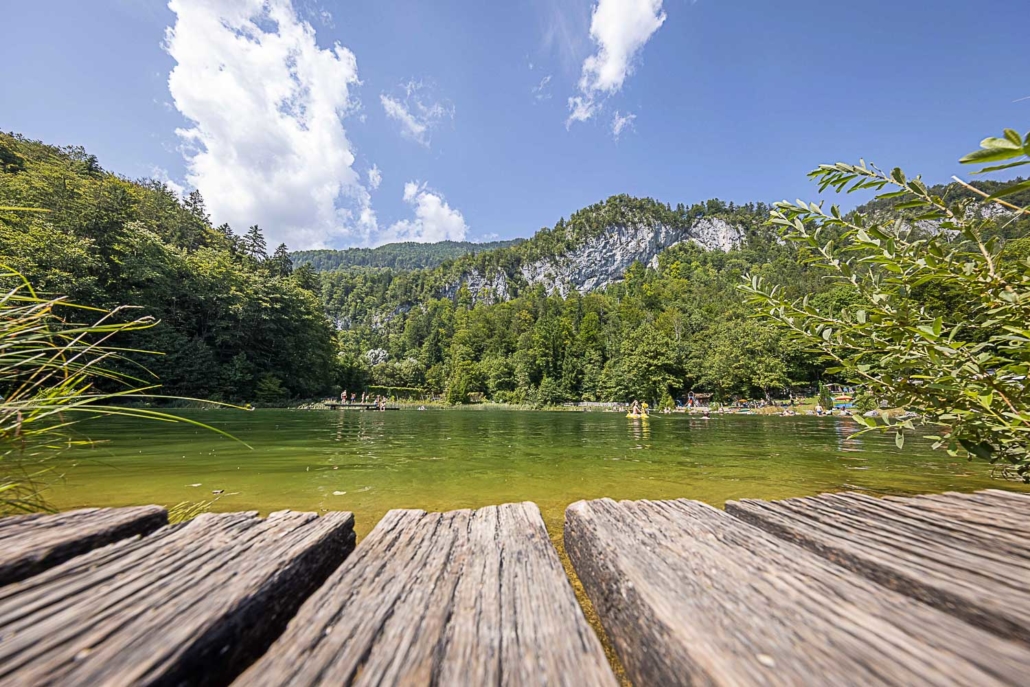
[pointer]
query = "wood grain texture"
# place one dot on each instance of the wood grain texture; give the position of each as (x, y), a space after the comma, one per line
(30, 544)
(691, 595)
(947, 550)
(458, 598)
(190, 604)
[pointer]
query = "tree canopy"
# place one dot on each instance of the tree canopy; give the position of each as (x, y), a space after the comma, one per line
(230, 319)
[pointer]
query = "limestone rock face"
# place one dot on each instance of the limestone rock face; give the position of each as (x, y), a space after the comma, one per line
(490, 289)
(603, 259)
(716, 234)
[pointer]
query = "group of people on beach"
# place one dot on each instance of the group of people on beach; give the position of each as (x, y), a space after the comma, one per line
(819, 410)
(366, 399)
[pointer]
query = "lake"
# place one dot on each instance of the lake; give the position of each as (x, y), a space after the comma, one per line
(369, 462)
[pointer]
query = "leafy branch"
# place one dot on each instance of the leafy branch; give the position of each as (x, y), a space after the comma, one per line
(967, 375)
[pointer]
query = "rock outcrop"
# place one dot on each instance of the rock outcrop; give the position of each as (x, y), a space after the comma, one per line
(491, 289)
(600, 260)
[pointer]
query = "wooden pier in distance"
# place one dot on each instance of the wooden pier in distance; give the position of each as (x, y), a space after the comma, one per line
(336, 405)
(834, 589)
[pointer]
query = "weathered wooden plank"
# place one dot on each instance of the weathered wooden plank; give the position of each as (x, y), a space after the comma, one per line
(1003, 512)
(944, 551)
(465, 597)
(190, 604)
(690, 595)
(30, 544)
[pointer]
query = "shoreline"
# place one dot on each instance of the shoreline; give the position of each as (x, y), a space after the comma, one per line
(804, 409)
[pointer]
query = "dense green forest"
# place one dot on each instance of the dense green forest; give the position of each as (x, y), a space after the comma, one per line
(238, 323)
(401, 256)
(235, 322)
(657, 334)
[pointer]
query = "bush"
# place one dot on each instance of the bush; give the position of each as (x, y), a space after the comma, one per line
(825, 397)
(270, 389)
(963, 369)
(550, 393)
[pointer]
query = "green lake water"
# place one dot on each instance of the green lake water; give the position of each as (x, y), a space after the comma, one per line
(369, 462)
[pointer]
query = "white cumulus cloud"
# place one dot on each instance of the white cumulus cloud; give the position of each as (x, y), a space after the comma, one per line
(265, 142)
(415, 111)
(619, 30)
(375, 177)
(434, 219)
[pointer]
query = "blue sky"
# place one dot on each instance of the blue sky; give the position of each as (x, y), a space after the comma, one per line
(334, 123)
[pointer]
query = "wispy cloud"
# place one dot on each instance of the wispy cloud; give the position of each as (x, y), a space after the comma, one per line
(375, 177)
(563, 26)
(415, 111)
(619, 30)
(541, 90)
(620, 122)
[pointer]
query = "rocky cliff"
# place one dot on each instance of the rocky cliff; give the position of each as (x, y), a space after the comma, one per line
(599, 260)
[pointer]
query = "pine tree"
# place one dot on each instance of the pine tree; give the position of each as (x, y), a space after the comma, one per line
(254, 244)
(194, 203)
(280, 264)
(306, 278)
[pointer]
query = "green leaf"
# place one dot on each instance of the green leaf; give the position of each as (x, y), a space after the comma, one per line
(980, 450)
(899, 439)
(1003, 143)
(1013, 136)
(998, 168)
(990, 155)
(1010, 190)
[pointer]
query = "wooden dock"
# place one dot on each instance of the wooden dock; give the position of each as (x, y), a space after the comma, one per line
(334, 405)
(834, 589)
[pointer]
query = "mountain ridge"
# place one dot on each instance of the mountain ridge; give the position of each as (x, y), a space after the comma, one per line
(400, 255)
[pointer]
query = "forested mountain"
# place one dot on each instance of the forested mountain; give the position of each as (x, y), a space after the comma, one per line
(235, 323)
(607, 327)
(672, 321)
(589, 251)
(628, 298)
(400, 256)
